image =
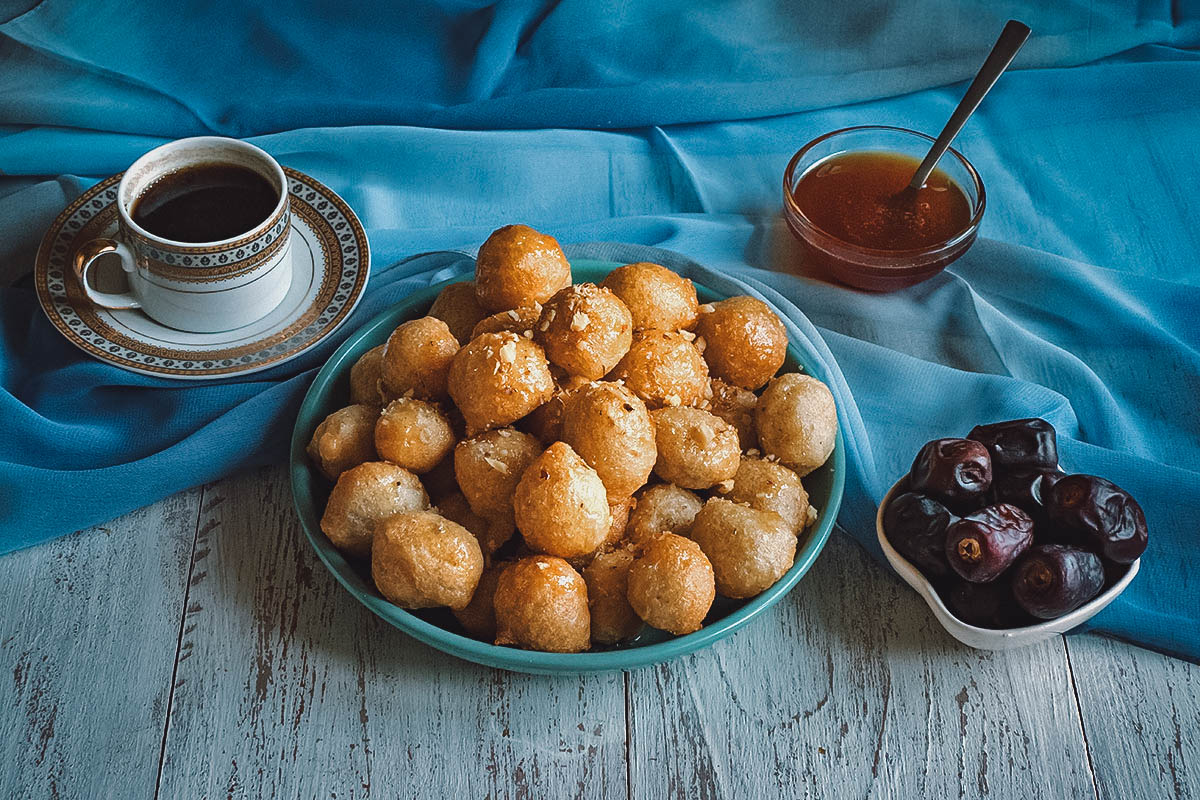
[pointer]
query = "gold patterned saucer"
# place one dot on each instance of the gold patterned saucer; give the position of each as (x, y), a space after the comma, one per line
(330, 265)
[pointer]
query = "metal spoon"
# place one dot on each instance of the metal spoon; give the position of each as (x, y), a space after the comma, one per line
(1003, 51)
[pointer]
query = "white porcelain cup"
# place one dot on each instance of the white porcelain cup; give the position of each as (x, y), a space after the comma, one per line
(203, 287)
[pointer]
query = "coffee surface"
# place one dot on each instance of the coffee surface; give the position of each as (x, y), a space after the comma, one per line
(205, 203)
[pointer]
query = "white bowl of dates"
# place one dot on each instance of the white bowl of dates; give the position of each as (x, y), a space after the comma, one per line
(1005, 547)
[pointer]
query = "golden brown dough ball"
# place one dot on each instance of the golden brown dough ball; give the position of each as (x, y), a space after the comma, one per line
(520, 321)
(413, 434)
(619, 511)
(664, 368)
(671, 584)
(696, 449)
(545, 421)
(345, 439)
(663, 507)
(479, 616)
(797, 421)
(541, 603)
(736, 405)
(745, 343)
(497, 379)
(457, 306)
(518, 265)
(488, 466)
(607, 578)
(749, 549)
(769, 486)
(416, 359)
(658, 298)
(420, 559)
(585, 329)
(561, 505)
(363, 497)
(610, 428)
(491, 533)
(364, 378)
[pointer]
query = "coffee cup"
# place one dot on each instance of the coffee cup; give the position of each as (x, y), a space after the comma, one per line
(203, 236)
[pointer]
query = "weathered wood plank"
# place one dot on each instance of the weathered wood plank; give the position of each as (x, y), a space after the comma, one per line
(88, 636)
(1141, 718)
(287, 687)
(851, 689)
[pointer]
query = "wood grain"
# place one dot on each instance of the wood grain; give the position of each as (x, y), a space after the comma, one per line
(287, 687)
(88, 637)
(850, 689)
(1141, 718)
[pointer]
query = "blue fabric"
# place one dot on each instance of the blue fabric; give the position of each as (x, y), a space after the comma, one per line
(663, 124)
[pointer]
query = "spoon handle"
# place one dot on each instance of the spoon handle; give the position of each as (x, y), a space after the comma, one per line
(1003, 51)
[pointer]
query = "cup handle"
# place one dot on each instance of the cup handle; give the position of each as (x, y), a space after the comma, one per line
(84, 258)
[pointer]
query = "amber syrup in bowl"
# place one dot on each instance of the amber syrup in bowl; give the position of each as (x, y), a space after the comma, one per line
(845, 199)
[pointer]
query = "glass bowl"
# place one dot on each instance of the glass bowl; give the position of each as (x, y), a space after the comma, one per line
(866, 267)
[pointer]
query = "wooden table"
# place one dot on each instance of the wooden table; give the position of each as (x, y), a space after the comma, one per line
(197, 648)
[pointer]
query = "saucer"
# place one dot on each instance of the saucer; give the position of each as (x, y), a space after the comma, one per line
(330, 265)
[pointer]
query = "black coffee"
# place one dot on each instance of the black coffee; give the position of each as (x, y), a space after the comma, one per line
(205, 203)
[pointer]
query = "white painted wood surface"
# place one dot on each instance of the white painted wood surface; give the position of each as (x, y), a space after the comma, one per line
(197, 648)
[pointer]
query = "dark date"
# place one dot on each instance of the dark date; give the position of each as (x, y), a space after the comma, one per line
(1025, 489)
(1054, 579)
(916, 525)
(984, 605)
(956, 471)
(982, 545)
(1103, 515)
(1030, 443)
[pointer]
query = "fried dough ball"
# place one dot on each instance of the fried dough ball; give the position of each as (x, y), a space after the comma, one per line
(745, 342)
(457, 307)
(488, 466)
(585, 329)
(545, 421)
(497, 379)
(541, 603)
(363, 497)
(607, 579)
(619, 511)
(416, 359)
(364, 378)
(479, 615)
(663, 507)
(736, 405)
(413, 434)
(345, 439)
(420, 559)
(769, 486)
(696, 449)
(797, 421)
(671, 584)
(664, 368)
(561, 505)
(658, 298)
(518, 265)
(749, 549)
(520, 321)
(492, 533)
(610, 428)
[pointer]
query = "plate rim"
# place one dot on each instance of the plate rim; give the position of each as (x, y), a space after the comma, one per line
(515, 659)
(41, 267)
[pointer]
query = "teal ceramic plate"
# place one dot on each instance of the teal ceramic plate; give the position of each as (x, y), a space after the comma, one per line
(438, 628)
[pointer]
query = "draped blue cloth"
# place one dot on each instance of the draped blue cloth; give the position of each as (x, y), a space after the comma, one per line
(663, 124)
